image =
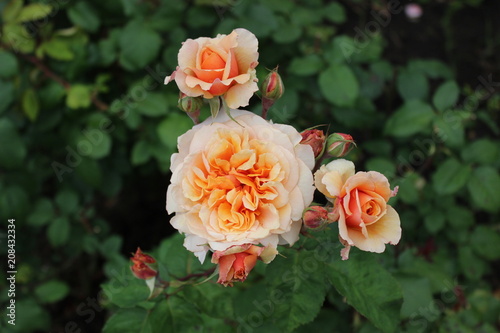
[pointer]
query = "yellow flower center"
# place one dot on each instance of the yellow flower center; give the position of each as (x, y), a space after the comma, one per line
(235, 177)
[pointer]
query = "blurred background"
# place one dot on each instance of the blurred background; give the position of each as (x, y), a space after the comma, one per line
(87, 129)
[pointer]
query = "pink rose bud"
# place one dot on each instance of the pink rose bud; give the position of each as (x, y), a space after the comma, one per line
(314, 138)
(272, 87)
(339, 144)
(315, 217)
(144, 265)
(236, 262)
(190, 105)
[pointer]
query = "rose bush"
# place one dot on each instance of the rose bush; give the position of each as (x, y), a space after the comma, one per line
(222, 66)
(360, 206)
(244, 182)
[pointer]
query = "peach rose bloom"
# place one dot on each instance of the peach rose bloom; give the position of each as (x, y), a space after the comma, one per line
(236, 262)
(244, 182)
(360, 205)
(222, 66)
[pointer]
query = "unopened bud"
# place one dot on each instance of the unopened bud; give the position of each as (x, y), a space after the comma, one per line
(190, 105)
(339, 144)
(314, 138)
(144, 265)
(315, 217)
(272, 87)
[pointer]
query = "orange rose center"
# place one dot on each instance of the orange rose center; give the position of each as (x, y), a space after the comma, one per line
(211, 60)
(235, 179)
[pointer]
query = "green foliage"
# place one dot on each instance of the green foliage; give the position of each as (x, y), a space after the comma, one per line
(87, 129)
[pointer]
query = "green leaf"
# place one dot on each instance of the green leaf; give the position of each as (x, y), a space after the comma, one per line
(369, 288)
(412, 85)
(483, 187)
(97, 143)
(382, 165)
(211, 299)
(139, 45)
(83, 15)
(434, 221)
(11, 10)
(451, 133)
(450, 176)
(174, 314)
(6, 95)
(31, 317)
(172, 127)
(79, 96)
(67, 201)
(127, 321)
(199, 17)
(9, 63)
(446, 95)
(12, 148)
(58, 231)
(51, 291)
(335, 12)
(299, 280)
(126, 292)
(412, 117)
(58, 49)
(460, 217)
(14, 202)
(433, 69)
(482, 151)
(486, 242)
(181, 264)
(287, 33)
(417, 294)
(43, 212)
(33, 12)
(153, 105)
(472, 266)
(215, 105)
(258, 19)
(18, 38)
(31, 105)
(141, 153)
(339, 85)
(90, 172)
(308, 65)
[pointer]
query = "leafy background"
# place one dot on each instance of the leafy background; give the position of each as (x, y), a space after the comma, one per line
(87, 129)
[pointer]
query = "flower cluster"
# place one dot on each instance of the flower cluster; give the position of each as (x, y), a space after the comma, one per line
(242, 185)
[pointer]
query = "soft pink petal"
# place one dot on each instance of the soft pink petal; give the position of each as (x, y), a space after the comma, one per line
(240, 94)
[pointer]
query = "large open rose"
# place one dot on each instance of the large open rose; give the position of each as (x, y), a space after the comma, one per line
(360, 205)
(244, 182)
(222, 66)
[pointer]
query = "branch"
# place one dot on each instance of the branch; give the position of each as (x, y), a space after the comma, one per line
(50, 74)
(190, 276)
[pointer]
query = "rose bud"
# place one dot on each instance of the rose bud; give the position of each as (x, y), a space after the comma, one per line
(272, 89)
(315, 217)
(236, 262)
(339, 144)
(144, 266)
(314, 138)
(190, 105)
